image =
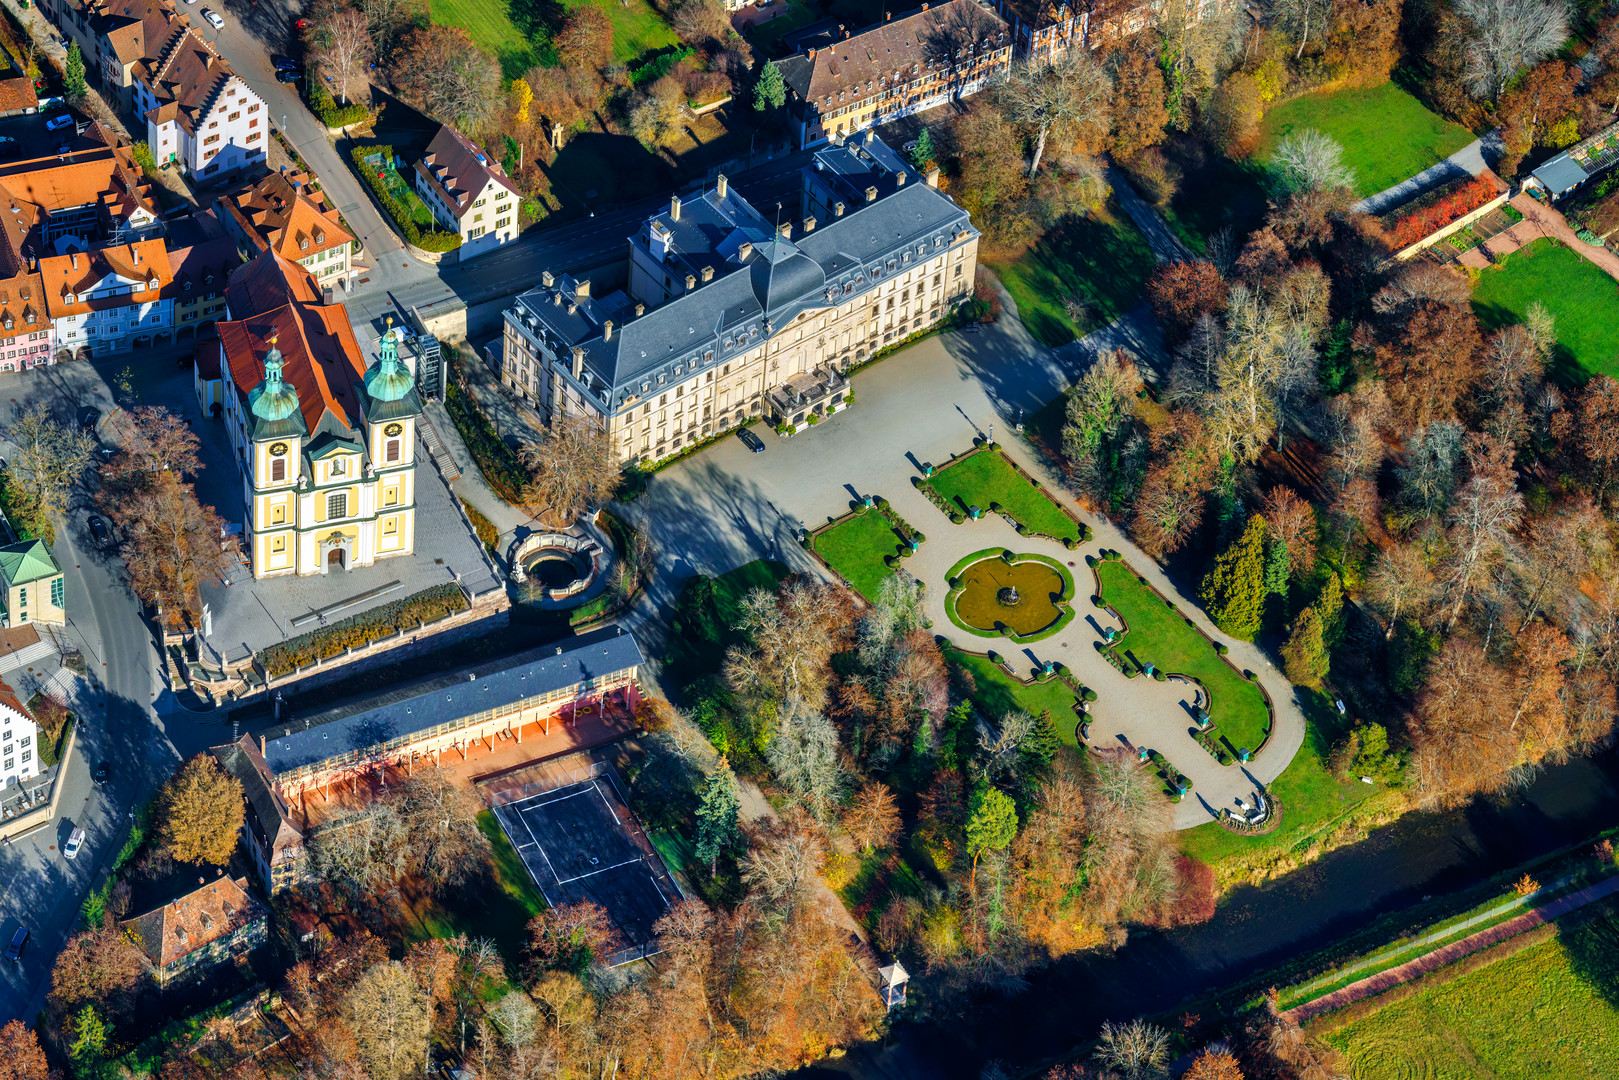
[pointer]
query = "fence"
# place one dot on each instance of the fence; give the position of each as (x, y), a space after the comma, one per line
(564, 778)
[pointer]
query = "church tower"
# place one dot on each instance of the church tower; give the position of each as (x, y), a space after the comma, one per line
(277, 433)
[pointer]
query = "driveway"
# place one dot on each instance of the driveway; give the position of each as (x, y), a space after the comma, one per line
(726, 506)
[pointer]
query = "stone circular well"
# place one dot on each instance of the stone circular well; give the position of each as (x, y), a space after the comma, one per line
(1038, 588)
(555, 568)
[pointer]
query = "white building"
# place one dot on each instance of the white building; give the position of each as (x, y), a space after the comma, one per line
(19, 740)
(110, 300)
(468, 192)
(200, 114)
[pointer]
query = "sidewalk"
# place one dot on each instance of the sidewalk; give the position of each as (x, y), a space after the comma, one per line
(1373, 985)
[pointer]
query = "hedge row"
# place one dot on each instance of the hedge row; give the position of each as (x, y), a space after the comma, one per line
(330, 113)
(659, 66)
(501, 468)
(427, 606)
(1424, 220)
(433, 240)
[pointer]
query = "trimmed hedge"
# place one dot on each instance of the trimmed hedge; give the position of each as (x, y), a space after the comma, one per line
(501, 468)
(330, 113)
(434, 240)
(427, 606)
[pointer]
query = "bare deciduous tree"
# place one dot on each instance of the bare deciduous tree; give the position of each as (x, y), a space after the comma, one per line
(804, 755)
(338, 40)
(574, 467)
(1311, 161)
(783, 861)
(1508, 36)
(1138, 1050)
(173, 544)
(442, 72)
(1400, 584)
(872, 817)
(1067, 100)
(390, 1016)
(49, 460)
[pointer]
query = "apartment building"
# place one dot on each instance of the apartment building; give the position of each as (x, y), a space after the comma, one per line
(197, 289)
(468, 192)
(32, 588)
(939, 53)
(27, 336)
(728, 317)
(196, 111)
(195, 933)
(283, 213)
(111, 299)
(19, 740)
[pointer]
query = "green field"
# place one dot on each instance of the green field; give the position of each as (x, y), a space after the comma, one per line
(1551, 1012)
(500, 910)
(1100, 260)
(637, 29)
(1315, 806)
(691, 653)
(1158, 634)
(996, 693)
(1387, 134)
(1581, 297)
(855, 548)
(987, 477)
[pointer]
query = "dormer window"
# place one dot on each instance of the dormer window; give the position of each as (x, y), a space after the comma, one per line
(186, 285)
(71, 298)
(303, 245)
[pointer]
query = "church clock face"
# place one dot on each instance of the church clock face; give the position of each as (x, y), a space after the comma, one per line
(393, 429)
(278, 450)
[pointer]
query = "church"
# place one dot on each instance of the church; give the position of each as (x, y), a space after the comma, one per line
(325, 442)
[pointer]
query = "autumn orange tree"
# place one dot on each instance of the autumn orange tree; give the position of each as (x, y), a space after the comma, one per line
(200, 812)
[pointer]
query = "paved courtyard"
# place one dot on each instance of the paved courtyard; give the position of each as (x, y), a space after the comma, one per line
(726, 506)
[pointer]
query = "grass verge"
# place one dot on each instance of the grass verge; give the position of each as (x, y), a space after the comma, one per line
(1583, 300)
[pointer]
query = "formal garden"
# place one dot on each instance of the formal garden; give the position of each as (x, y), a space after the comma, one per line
(998, 592)
(866, 545)
(1160, 642)
(997, 690)
(987, 480)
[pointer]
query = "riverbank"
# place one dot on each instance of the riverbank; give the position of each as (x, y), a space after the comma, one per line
(1256, 927)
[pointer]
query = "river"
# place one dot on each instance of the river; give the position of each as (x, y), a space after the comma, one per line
(1255, 927)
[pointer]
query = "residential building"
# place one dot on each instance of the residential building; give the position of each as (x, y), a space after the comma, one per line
(468, 192)
(273, 841)
(414, 725)
(90, 195)
(1044, 30)
(111, 299)
(116, 38)
(197, 290)
(728, 317)
(326, 443)
(190, 936)
(910, 63)
(17, 96)
(32, 586)
(284, 212)
(200, 114)
(27, 335)
(19, 739)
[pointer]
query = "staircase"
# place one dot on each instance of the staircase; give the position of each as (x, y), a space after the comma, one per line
(435, 447)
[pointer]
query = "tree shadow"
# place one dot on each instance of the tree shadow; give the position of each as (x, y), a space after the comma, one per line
(1592, 945)
(595, 169)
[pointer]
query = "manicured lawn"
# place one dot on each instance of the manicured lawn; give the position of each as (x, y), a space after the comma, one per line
(987, 477)
(996, 693)
(1316, 807)
(690, 654)
(1101, 260)
(1551, 1012)
(767, 35)
(492, 30)
(499, 27)
(855, 549)
(1583, 300)
(1387, 134)
(1158, 634)
(499, 910)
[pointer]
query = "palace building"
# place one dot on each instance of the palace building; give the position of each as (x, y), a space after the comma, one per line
(727, 317)
(326, 443)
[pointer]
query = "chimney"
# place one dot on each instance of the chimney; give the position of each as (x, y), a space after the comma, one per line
(887, 15)
(809, 224)
(785, 230)
(871, 194)
(812, 54)
(744, 251)
(556, 298)
(546, 279)
(607, 330)
(640, 309)
(837, 209)
(578, 361)
(261, 744)
(135, 253)
(691, 282)
(932, 178)
(674, 207)
(899, 178)
(582, 289)
(722, 185)
(708, 273)
(75, 257)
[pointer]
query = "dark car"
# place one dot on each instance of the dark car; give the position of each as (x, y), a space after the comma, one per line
(98, 529)
(19, 942)
(287, 75)
(103, 771)
(279, 62)
(750, 440)
(89, 416)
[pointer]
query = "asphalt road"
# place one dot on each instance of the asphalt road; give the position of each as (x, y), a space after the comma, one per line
(117, 722)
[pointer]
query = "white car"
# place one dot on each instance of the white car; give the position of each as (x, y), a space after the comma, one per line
(75, 841)
(59, 123)
(213, 19)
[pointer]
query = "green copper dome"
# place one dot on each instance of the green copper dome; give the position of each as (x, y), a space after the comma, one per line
(274, 398)
(389, 381)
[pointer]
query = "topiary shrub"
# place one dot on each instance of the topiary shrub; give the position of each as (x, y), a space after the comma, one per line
(916, 481)
(882, 503)
(1096, 601)
(1060, 669)
(890, 560)
(994, 507)
(1022, 530)
(1158, 676)
(1221, 648)
(994, 657)
(956, 518)
(1070, 543)
(1088, 694)
(920, 538)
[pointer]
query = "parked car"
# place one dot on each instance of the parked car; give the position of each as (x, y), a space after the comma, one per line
(98, 528)
(285, 62)
(75, 841)
(103, 771)
(191, 1)
(213, 18)
(58, 123)
(19, 942)
(89, 416)
(750, 440)
(287, 75)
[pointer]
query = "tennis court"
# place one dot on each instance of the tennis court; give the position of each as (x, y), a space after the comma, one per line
(580, 842)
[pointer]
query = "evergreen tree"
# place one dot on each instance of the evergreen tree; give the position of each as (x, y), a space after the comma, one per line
(991, 822)
(1330, 606)
(1304, 657)
(87, 1034)
(923, 153)
(1233, 591)
(1041, 745)
(1276, 568)
(770, 92)
(73, 85)
(717, 830)
(1373, 758)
